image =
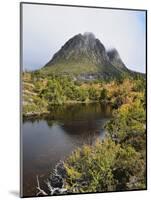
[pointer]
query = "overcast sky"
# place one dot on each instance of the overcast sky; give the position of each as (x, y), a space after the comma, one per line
(47, 28)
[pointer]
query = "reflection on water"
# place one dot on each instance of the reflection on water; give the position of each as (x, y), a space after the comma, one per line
(55, 136)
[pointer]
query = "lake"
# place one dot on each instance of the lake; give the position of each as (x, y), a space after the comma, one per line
(51, 138)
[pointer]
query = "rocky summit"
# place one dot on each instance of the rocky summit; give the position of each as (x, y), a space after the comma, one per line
(85, 57)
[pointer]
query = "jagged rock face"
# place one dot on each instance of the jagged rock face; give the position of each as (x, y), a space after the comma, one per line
(115, 59)
(86, 55)
(81, 46)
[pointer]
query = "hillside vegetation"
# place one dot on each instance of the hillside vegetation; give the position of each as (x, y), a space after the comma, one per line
(41, 93)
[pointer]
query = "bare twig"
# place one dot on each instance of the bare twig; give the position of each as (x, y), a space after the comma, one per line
(50, 187)
(40, 190)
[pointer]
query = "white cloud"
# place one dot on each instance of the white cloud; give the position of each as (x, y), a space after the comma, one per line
(47, 28)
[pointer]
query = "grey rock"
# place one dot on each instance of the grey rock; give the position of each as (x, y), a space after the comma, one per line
(116, 60)
(88, 51)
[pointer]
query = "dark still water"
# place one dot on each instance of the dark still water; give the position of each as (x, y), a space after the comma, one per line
(53, 137)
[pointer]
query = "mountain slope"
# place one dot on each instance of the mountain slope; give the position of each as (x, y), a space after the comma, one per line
(84, 56)
(116, 61)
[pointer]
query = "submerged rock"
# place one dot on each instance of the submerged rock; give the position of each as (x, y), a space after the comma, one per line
(56, 181)
(61, 171)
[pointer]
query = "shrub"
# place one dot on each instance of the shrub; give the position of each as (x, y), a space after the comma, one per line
(89, 169)
(105, 166)
(128, 125)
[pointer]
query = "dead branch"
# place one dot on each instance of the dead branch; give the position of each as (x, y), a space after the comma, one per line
(40, 190)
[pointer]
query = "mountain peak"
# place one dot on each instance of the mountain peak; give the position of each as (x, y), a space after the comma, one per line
(83, 40)
(81, 46)
(89, 35)
(116, 60)
(113, 54)
(85, 54)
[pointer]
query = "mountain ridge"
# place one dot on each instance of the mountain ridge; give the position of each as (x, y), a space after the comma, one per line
(85, 55)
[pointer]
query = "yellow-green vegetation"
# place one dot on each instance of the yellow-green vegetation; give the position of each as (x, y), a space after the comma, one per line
(128, 125)
(32, 102)
(119, 161)
(41, 92)
(70, 67)
(105, 166)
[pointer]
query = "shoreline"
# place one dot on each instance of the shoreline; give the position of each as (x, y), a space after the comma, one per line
(29, 115)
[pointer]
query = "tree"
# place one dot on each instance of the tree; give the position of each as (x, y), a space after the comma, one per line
(103, 95)
(82, 94)
(54, 93)
(93, 94)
